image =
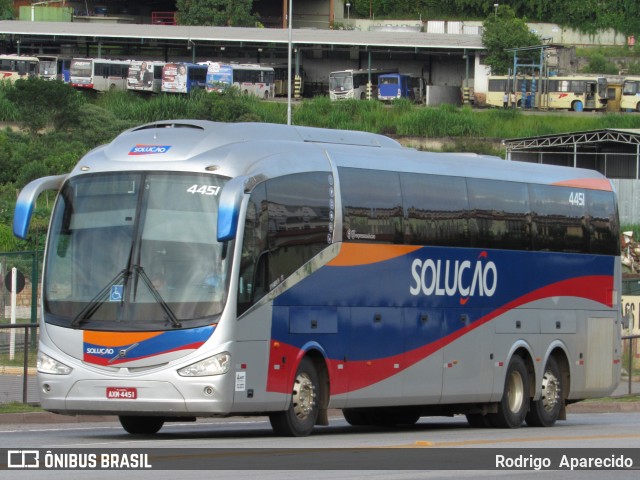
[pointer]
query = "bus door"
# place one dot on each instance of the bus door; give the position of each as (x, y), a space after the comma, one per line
(590, 94)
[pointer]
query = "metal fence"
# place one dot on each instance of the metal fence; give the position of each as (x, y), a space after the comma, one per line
(19, 340)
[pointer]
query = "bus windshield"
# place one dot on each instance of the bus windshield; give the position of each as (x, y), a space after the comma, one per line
(630, 87)
(80, 68)
(136, 251)
(340, 81)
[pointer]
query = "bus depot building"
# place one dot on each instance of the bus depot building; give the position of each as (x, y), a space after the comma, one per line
(613, 152)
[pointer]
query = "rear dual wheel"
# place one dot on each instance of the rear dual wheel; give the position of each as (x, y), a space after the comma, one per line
(514, 405)
(546, 411)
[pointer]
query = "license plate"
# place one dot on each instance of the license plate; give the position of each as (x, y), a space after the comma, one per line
(122, 393)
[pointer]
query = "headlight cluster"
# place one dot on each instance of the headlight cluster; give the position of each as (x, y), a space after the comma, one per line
(216, 365)
(46, 364)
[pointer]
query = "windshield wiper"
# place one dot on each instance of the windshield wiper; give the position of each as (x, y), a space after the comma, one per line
(156, 295)
(90, 308)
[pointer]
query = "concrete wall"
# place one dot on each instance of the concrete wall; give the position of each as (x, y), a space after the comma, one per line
(438, 95)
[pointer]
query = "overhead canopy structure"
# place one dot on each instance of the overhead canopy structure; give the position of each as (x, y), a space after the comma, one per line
(613, 152)
(40, 32)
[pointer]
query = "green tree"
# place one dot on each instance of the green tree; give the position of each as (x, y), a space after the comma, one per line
(6, 9)
(503, 31)
(42, 103)
(232, 13)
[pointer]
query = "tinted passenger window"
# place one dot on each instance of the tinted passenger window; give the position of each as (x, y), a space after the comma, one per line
(603, 222)
(435, 210)
(499, 214)
(288, 222)
(372, 205)
(559, 222)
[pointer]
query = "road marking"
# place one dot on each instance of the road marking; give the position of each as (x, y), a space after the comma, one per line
(466, 443)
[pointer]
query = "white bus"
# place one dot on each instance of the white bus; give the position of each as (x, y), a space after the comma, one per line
(145, 76)
(630, 100)
(99, 74)
(250, 79)
(54, 67)
(198, 269)
(13, 67)
(352, 84)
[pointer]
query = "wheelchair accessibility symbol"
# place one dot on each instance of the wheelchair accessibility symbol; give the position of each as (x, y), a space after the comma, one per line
(115, 294)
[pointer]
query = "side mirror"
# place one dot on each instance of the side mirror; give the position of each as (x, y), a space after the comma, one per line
(27, 201)
(229, 208)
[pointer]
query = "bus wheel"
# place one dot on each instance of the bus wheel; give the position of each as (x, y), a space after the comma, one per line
(638, 107)
(546, 411)
(298, 420)
(515, 398)
(138, 425)
(577, 106)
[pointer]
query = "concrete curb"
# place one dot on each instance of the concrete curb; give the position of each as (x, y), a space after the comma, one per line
(34, 418)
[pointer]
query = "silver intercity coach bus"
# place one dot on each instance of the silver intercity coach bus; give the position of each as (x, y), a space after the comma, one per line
(199, 269)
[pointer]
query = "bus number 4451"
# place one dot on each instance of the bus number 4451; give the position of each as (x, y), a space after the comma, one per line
(204, 189)
(576, 199)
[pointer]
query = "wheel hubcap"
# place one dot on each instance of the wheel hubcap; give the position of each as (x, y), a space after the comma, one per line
(515, 392)
(550, 391)
(304, 396)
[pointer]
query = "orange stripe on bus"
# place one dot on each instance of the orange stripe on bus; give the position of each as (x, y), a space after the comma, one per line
(364, 254)
(115, 339)
(590, 183)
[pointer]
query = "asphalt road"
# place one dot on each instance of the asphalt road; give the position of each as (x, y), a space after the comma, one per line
(448, 440)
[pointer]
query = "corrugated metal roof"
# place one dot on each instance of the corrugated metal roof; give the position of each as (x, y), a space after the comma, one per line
(239, 34)
(622, 135)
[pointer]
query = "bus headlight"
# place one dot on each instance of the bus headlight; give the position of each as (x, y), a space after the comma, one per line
(216, 365)
(46, 364)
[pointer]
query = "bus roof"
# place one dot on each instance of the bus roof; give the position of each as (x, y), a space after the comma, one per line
(268, 150)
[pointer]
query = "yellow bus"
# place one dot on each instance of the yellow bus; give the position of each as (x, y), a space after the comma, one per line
(630, 94)
(575, 93)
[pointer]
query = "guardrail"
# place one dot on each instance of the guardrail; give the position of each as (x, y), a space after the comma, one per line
(631, 342)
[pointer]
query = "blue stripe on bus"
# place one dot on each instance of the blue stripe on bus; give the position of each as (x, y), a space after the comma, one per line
(352, 297)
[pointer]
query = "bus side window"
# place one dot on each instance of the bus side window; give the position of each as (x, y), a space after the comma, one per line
(372, 205)
(436, 210)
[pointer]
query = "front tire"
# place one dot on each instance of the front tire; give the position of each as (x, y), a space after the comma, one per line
(546, 411)
(514, 405)
(299, 419)
(139, 425)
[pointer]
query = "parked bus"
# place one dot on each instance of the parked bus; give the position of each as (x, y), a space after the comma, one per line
(183, 77)
(630, 100)
(392, 86)
(54, 67)
(99, 74)
(145, 76)
(352, 84)
(13, 67)
(575, 93)
(197, 269)
(250, 79)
